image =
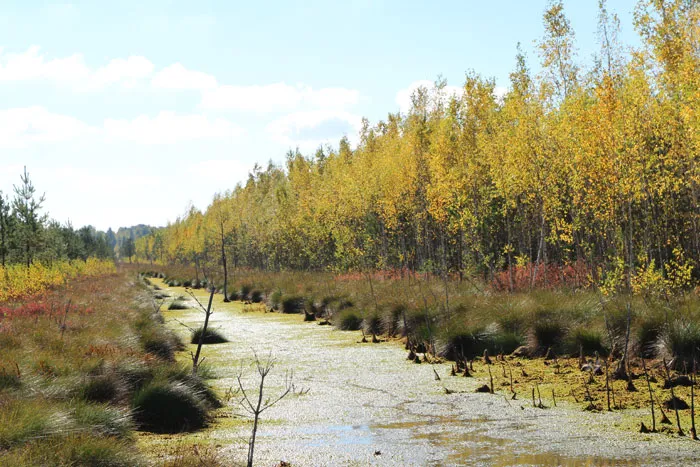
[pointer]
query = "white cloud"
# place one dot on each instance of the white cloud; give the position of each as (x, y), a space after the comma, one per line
(21, 127)
(133, 71)
(168, 128)
(126, 72)
(297, 129)
(72, 70)
(177, 77)
(277, 97)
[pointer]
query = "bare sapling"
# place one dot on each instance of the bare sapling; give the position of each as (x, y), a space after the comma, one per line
(693, 432)
(621, 371)
(651, 396)
(256, 404)
(65, 316)
(674, 401)
(207, 314)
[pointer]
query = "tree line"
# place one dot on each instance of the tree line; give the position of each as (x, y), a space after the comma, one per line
(28, 235)
(585, 167)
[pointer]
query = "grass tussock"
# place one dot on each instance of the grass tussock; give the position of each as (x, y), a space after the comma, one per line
(212, 336)
(179, 304)
(163, 407)
(349, 320)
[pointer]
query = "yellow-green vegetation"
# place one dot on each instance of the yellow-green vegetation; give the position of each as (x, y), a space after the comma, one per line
(17, 280)
(82, 366)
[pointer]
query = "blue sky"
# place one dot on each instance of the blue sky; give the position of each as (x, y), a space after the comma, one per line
(126, 112)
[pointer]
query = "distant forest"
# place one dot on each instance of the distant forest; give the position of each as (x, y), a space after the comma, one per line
(586, 173)
(27, 234)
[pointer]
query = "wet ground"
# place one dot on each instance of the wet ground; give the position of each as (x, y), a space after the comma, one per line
(365, 404)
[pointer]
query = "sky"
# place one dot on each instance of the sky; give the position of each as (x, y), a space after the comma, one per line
(128, 112)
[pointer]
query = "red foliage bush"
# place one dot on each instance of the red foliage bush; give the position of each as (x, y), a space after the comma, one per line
(540, 276)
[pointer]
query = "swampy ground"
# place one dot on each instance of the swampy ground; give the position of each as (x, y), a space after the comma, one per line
(360, 403)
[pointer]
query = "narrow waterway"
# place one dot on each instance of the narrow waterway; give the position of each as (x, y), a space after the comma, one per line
(364, 404)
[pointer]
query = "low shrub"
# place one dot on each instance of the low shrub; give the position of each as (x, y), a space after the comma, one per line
(256, 296)
(587, 340)
(159, 343)
(373, 324)
(393, 320)
(465, 341)
(349, 320)
(293, 304)
(163, 407)
(9, 379)
(546, 332)
(233, 295)
(505, 342)
(212, 336)
(244, 291)
(101, 388)
(183, 374)
(178, 304)
(274, 300)
(134, 374)
(680, 342)
(648, 333)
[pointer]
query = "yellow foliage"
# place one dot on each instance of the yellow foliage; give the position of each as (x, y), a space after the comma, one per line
(18, 281)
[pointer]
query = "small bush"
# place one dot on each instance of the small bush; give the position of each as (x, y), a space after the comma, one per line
(134, 374)
(212, 336)
(680, 342)
(101, 388)
(373, 324)
(393, 321)
(505, 342)
(196, 383)
(648, 334)
(547, 332)
(178, 304)
(275, 299)
(293, 304)
(245, 290)
(9, 379)
(256, 296)
(233, 295)
(169, 408)
(159, 344)
(587, 340)
(349, 320)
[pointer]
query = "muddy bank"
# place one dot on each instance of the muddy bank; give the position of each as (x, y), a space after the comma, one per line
(367, 405)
